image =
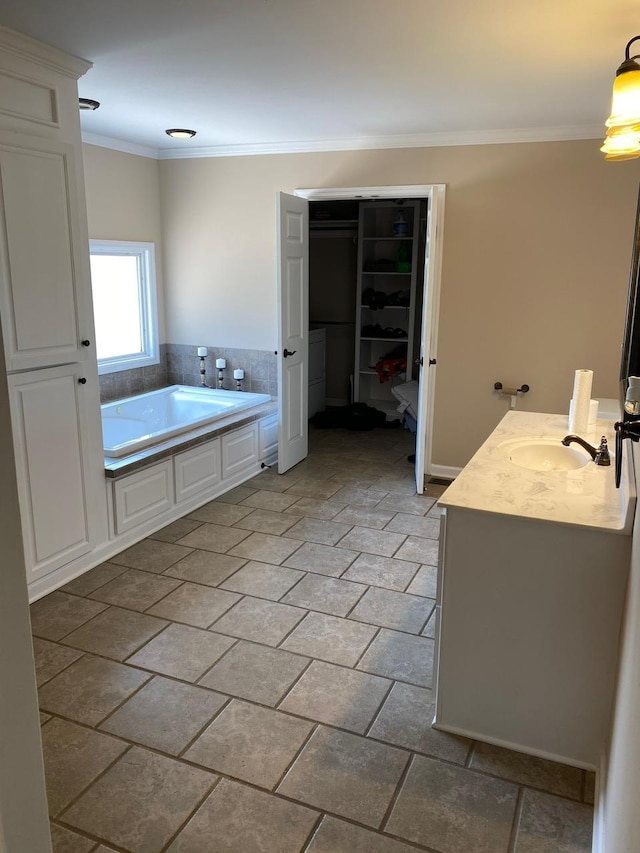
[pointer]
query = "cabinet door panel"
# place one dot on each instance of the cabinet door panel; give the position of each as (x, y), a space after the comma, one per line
(239, 450)
(48, 426)
(40, 257)
(197, 470)
(143, 496)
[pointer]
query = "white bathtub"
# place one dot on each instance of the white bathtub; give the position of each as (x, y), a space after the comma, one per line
(136, 422)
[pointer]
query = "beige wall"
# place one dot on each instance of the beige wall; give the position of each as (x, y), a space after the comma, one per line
(123, 203)
(536, 260)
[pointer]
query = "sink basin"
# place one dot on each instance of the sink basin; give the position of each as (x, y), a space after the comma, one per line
(544, 454)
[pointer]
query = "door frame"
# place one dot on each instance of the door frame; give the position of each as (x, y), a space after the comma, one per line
(431, 334)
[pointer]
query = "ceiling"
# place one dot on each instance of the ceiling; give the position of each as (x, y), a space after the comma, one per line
(305, 75)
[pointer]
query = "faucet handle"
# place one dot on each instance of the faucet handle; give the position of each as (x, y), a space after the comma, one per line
(603, 456)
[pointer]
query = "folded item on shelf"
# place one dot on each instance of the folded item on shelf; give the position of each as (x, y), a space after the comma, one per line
(390, 364)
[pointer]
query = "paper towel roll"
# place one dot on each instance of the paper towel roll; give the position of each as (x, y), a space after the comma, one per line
(593, 413)
(581, 400)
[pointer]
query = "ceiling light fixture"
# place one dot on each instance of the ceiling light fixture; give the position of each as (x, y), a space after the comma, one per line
(180, 133)
(622, 141)
(88, 104)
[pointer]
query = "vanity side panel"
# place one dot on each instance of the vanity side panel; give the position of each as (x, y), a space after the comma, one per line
(530, 621)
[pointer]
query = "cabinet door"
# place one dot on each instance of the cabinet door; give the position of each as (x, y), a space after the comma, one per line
(143, 496)
(197, 470)
(49, 429)
(239, 450)
(43, 259)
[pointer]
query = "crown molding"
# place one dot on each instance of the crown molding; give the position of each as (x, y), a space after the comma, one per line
(119, 145)
(44, 54)
(416, 140)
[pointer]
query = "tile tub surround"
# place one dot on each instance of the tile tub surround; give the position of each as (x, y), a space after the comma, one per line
(180, 365)
(260, 367)
(278, 699)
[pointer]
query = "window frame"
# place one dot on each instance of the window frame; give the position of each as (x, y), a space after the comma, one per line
(148, 301)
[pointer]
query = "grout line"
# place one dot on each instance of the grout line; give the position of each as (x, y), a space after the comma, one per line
(367, 647)
(199, 804)
(396, 793)
(366, 588)
(314, 829)
(470, 754)
(372, 722)
(209, 722)
(294, 684)
(516, 821)
(312, 731)
(213, 665)
(129, 746)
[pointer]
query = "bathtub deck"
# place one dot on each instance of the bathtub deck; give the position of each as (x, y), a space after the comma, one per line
(120, 467)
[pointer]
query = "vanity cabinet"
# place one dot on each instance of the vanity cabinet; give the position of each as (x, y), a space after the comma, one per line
(530, 603)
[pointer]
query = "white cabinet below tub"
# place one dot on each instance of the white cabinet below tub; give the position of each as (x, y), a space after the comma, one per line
(143, 496)
(269, 438)
(239, 450)
(197, 470)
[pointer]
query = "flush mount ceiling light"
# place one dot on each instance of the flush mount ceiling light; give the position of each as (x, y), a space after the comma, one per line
(180, 133)
(88, 104)
(622, 141)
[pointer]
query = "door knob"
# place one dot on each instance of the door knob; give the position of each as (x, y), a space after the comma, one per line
(289, 352)
(86, 342)
(418, 361)
(82, 380)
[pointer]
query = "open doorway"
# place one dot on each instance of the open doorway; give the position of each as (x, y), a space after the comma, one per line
(374, 257)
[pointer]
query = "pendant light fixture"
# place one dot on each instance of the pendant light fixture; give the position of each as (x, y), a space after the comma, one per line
(622, 141)
(180, 133)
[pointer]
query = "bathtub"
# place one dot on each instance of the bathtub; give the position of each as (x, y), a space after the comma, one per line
(137, 422)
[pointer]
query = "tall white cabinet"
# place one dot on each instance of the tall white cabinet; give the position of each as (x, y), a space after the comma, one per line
(45, 306)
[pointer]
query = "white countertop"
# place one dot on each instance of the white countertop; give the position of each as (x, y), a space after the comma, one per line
(584, 497)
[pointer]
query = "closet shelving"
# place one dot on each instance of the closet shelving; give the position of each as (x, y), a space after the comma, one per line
(385, 300)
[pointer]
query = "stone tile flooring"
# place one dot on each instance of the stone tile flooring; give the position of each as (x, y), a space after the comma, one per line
(256, 678)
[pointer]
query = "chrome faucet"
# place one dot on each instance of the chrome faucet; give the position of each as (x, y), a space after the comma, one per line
(600, 455)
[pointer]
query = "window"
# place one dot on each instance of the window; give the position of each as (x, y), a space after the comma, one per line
(123, 280)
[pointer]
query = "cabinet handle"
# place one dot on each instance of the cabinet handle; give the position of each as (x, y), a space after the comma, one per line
(86, 342)
(82, 381)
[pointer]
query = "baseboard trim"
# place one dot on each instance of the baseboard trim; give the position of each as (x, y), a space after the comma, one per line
(446, 471)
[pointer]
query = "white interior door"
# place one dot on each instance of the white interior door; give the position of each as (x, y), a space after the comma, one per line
(293, 328)
(429, 336)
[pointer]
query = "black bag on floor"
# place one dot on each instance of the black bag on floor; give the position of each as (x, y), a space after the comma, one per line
(357, 416)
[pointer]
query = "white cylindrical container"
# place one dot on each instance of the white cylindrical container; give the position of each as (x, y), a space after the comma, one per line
(581, 400)
(202, 351)
(221, 363)
(238, 373)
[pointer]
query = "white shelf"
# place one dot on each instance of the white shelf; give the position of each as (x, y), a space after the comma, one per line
(378, 246)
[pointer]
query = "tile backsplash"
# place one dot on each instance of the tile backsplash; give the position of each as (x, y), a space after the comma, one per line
(180, 365)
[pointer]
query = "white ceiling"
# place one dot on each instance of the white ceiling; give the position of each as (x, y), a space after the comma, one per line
(296, 75)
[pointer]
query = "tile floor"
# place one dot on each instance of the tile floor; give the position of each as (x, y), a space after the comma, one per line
(256, 678)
